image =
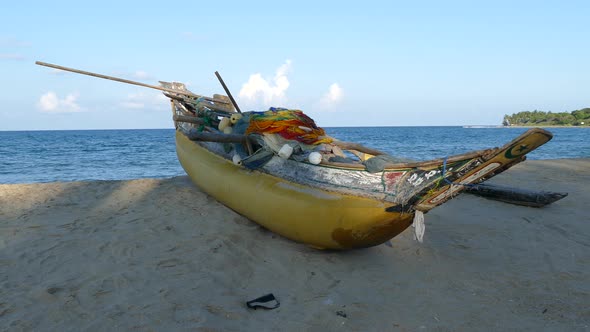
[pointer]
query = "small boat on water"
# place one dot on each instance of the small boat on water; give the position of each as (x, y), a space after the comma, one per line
(280, 170)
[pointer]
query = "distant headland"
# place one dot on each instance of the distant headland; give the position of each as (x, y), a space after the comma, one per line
(577, 118)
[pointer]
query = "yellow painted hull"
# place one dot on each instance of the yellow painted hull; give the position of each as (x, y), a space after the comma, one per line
(319, 218)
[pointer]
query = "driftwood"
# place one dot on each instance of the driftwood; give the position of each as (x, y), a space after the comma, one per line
(516, 196)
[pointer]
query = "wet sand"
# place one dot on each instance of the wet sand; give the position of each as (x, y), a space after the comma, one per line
(157, 255)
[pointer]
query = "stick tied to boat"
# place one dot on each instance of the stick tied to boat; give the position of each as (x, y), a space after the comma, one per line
(122, 80)
(227, 91)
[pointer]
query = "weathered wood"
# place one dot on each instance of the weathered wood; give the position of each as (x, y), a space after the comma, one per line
(357, 147)
(516, 196)
(189, 119)
(227, 104)
(421, 164)
(224, 110)
(181, 108)
(122, 80)
(218, 108)
(195, 135)
(228, 93)
(249, 147)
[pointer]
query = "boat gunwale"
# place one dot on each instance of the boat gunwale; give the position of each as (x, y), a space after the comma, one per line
(358, 166)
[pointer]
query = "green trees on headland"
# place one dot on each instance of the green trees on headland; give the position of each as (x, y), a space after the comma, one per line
(540, 118)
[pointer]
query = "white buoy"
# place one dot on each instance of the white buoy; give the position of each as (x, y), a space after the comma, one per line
(227, 130)
(223, 123)
(235, 118)
(315, 158)
(286, 151)
(237, 159)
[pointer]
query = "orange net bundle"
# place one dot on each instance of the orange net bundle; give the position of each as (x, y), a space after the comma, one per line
(289, 124)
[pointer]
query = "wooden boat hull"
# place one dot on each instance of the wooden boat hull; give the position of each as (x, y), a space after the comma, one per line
(334, 219)
(313, 216)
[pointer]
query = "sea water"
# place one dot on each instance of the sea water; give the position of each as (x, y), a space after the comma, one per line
(47, 156)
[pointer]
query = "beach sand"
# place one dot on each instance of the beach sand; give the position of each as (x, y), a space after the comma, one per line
(160, 255)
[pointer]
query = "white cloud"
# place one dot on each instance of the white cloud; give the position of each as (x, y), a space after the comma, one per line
(332, 97)
(143, 100)
(11, 46)
(141, 75)
(57, 72)
(259, 91)
(50, 103)
(13, 42)
(136, 75)
(11, 56)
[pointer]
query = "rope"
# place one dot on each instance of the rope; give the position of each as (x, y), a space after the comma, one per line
(207, 121)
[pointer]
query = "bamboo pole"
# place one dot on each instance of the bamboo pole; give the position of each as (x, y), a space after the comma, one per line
(227, 91)
(122, 80)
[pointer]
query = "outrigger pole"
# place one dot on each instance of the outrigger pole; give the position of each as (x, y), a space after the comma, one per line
(122, 80)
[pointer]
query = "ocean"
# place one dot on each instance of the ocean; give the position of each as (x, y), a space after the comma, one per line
(48, 156)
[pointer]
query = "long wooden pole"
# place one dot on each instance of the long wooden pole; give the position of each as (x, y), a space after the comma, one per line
(122, 80)
(513, 195)
(357, 147)
(227, 91)
(195, 135)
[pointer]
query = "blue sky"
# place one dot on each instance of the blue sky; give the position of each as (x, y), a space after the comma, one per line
(367, 63)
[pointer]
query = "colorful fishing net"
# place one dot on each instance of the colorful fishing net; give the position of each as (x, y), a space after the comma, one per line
(289, 124)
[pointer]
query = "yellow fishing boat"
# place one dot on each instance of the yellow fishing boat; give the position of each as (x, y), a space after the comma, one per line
(280, 170)
(338, 203)
(326, 218)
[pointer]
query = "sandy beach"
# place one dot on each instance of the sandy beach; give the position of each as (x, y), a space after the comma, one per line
(160, 255)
